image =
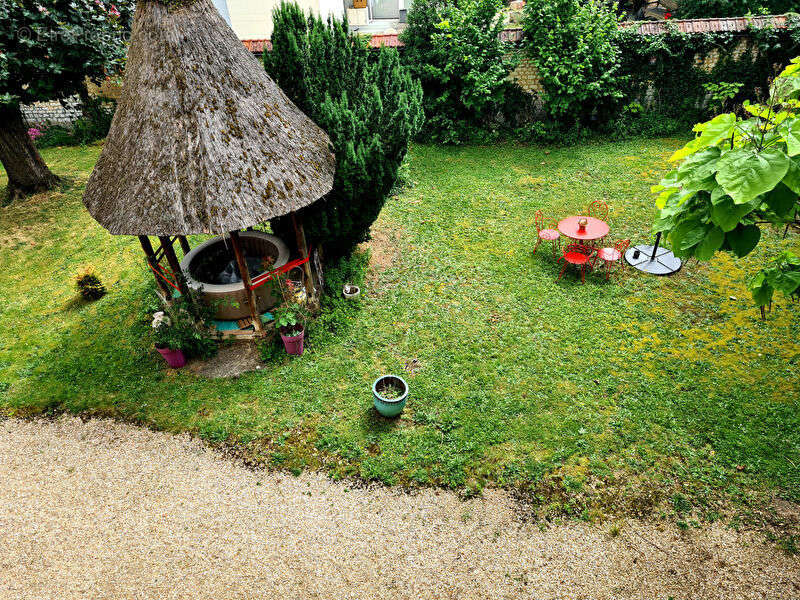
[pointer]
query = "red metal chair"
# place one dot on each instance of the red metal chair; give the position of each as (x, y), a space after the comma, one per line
(579, 255)
(599, 210)
(548, 234)
(613, 255)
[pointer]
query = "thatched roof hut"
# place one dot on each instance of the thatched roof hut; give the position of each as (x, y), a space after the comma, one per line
(202, 139)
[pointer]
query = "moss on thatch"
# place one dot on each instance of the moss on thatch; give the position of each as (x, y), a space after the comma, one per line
(202, 139)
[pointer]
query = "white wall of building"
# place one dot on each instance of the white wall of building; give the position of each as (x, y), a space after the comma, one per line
(252, 19)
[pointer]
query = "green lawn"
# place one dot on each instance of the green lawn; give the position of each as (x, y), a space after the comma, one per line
(625, 397)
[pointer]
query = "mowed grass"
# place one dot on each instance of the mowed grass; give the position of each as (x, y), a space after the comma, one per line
(639, 395)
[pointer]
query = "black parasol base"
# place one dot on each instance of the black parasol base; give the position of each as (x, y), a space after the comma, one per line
(653, 259)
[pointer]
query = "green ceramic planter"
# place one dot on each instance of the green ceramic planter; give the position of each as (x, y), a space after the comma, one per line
(389, 407)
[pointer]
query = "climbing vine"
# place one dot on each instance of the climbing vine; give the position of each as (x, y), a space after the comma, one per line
(667, 75)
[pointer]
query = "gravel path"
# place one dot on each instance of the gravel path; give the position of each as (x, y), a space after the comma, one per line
(107, 510)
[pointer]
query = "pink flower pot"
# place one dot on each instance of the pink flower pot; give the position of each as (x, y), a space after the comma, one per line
(294, 343)
(175, 358)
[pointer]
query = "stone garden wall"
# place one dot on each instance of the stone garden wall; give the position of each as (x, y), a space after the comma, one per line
(53, 113)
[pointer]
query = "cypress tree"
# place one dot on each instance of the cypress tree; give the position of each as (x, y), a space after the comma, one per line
(365, 100)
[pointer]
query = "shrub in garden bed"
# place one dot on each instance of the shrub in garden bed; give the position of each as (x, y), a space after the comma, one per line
(456, 52)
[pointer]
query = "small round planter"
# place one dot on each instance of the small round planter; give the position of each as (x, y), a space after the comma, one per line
(175, 358)
(351, 291)
(389, 407)
(294, 343)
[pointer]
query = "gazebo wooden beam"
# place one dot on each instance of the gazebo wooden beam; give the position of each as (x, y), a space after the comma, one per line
(153, 263)
(245, 273)
(302, 247)
(174, 264)
(184, 244)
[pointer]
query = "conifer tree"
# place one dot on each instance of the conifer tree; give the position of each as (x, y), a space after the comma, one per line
(365, 100)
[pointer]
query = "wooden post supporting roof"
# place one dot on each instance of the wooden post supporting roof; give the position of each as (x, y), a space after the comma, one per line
(302, 247)
(245, 273)
(153, 263)
(184, 244)
(174, 264)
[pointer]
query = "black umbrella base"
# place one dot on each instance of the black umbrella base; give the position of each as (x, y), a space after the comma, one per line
(664, 263)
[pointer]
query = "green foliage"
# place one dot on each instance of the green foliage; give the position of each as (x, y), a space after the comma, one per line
(370, 107)
(572, 45)
(88, 283)
(721, 92)
(48, 48)
(456, 51)
(782, 275)
(93, 125)
(338, 312)
(184, 325)
(703, 9)
(662, 73)
(736, 174)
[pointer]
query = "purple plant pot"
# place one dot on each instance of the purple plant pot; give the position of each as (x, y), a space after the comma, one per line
(175, 358)
(294, 343)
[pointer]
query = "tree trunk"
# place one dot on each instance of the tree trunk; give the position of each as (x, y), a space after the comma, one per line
(27, 172)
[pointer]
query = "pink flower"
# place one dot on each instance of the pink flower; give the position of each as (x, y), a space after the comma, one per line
(34, 133)
(114, 11)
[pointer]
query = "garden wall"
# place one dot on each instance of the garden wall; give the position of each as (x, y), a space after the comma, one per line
(53, 112)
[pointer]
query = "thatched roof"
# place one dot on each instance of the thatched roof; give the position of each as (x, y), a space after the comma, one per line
(203, 141)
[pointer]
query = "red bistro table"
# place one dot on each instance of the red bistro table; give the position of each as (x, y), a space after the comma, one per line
(595, 228)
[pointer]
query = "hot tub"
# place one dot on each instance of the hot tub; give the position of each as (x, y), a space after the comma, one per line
(211, 266)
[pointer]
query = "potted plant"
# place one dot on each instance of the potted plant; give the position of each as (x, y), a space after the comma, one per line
(180, 331)
(390, 394)
(167, 340)
(290, 316)
(351, 291)
(289, 323)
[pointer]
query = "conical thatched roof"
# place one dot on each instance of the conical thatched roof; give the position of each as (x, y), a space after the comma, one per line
(203, 141)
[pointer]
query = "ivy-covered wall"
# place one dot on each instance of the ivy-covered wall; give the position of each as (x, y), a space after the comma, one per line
(666, 72)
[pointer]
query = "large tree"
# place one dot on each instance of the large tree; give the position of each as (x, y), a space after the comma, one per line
(47, 49)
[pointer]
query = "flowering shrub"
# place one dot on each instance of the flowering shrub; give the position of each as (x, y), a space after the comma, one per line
(182, 325)
(34, 133)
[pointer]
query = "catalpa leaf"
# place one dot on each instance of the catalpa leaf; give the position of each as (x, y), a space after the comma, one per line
(792, 177)
(726, 215)
(790, 131)
(781, 199)
(743, 239)
(746, 174)
(711, 133)
(709, 244)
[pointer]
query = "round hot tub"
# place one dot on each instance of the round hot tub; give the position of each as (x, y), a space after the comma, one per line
(211, 269)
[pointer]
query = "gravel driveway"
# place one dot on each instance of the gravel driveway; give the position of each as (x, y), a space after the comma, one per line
(107, 510)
